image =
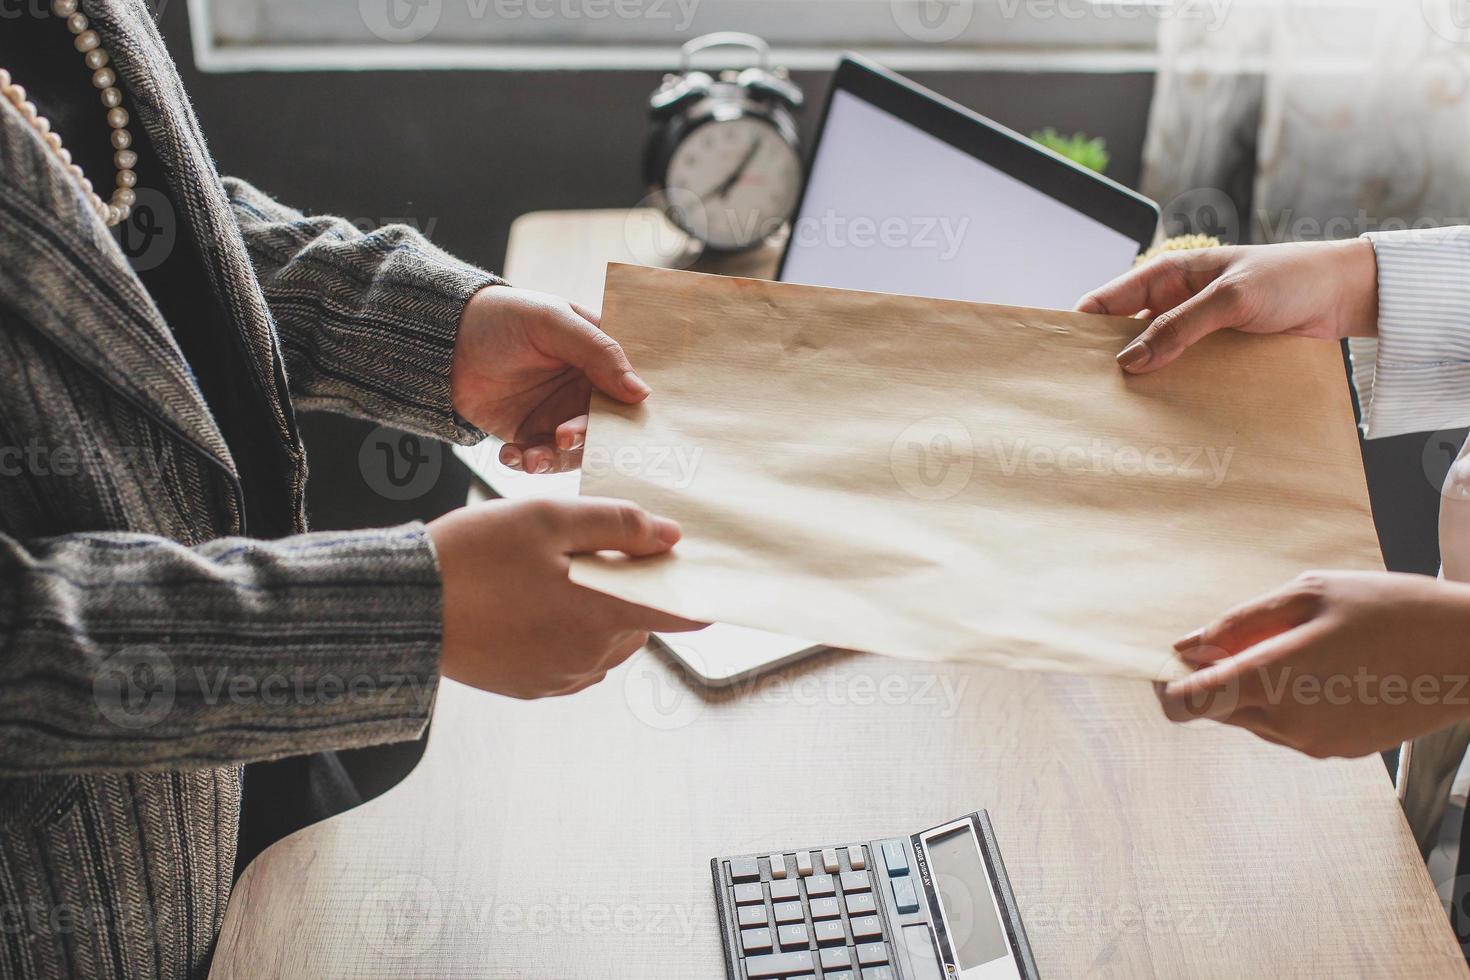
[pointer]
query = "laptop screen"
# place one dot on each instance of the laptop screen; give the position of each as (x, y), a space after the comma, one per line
(888, 207)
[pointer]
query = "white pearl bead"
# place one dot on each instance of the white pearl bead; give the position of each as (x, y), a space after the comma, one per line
(4, 79)
(63, 8)
(17, 94)
(53, 140)
(121, 139)
(64, 153)
(125, 159)
(113, 216)
(77, 23)
(111, 97)
(86, 184)
(87, 40)
(28, 109)
(127, 178)
(117, 118)
(43, 124)
(124, 211)
(103, 78)
(97, 58)
(126, 195)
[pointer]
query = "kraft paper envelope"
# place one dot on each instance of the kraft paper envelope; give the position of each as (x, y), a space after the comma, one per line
(943, 480)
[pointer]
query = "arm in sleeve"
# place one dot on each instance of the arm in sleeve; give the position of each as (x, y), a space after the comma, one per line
(367, 320)
(1416, 376)
(125, 651)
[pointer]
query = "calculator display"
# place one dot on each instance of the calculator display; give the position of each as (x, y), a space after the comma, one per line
(963, 883)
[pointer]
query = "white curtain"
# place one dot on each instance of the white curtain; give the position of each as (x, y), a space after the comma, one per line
(1279, 120)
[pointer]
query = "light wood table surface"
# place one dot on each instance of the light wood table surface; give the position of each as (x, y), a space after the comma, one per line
(571, 838)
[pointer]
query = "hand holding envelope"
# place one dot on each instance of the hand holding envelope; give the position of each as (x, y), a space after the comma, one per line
(941, 480)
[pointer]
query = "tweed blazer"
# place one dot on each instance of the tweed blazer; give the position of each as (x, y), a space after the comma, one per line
(148, 647)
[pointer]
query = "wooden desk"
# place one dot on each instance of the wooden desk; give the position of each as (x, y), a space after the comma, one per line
(570, 838)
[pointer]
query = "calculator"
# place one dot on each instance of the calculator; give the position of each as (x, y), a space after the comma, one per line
(933, 906)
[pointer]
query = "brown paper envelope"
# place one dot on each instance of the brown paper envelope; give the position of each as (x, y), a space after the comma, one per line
(942, 480)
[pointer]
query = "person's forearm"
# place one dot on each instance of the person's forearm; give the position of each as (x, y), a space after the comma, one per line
(126, 651)
(367, 321)
(1416, 376)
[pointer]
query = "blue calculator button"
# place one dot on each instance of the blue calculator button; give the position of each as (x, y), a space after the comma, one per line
(904, 895)
(896, 857)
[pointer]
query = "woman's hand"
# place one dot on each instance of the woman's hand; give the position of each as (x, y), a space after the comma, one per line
(1334, 664)
(1312, 289)
(524, 367)
(513, 622)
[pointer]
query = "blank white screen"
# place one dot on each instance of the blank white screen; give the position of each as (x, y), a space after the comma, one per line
(890, 208)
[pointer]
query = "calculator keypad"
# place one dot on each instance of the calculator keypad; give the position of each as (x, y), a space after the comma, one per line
(820, 922)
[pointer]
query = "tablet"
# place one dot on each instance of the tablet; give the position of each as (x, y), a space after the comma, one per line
(909, 192)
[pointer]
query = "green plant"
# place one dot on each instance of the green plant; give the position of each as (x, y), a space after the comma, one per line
(1090, 153)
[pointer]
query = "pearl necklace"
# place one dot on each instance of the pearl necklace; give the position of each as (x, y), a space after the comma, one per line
(104, 79)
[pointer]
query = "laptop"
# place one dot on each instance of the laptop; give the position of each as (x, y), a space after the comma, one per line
(908, 192)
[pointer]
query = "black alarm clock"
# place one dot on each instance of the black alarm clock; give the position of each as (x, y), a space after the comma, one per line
(722, 160)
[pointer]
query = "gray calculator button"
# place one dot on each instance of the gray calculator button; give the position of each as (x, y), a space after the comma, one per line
(896, 857)
(779, 965)
(839, 958)
(872, 954)
(819, 886)
(856, 858)
(860, 904)
(804, 863)
(825, 908)
(755, 940)
(778, 866)
(785, 891)
(788, 912)
(749, 894)
(792, 937)
(752, 915)
(830, 863)
(879, 973)
(904, 895)
(829, 932)
(855, 881)
(745, 869)
(865, 927)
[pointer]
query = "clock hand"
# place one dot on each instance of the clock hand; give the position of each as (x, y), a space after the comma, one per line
(723, 190)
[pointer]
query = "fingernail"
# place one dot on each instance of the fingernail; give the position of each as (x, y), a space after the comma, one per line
(1135, 355)
(510, 456)
(1189, 641)
(635, 385)
(668, 531)
(576, 442)
(544, 466)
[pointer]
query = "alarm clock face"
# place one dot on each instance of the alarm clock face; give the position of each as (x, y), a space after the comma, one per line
(737, 180)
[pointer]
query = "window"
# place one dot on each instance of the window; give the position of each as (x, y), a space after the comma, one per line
(284, 34)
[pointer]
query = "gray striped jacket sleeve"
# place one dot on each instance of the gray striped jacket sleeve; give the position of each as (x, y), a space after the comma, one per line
(1416, 376)
(367, 320)
(125, 651)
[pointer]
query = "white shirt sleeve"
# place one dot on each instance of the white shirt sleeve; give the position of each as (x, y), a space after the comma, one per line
(1416, 376)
